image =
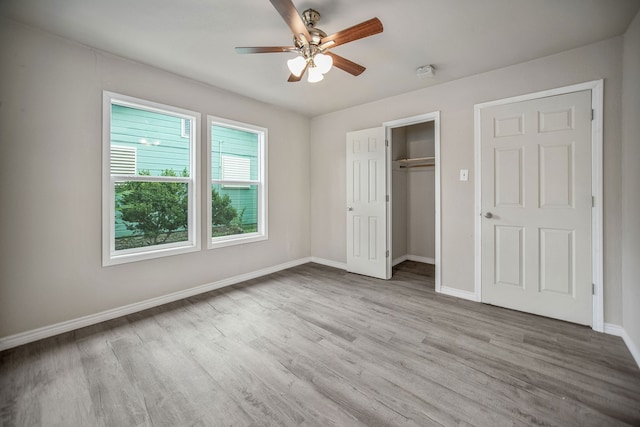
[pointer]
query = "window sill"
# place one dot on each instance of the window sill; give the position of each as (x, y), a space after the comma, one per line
(240, 239)
(124, 258)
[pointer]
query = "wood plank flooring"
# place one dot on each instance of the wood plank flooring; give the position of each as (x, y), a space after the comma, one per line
(315, 346)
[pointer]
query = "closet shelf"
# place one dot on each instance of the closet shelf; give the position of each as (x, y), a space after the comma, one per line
(416, 162)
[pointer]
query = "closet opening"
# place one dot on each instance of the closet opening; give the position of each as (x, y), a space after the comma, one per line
(414, 199)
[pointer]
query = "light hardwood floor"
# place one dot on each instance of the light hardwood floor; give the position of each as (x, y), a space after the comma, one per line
(316, 346)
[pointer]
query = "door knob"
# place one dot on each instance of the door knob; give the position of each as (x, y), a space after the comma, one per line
(349, 208)
(488, 215)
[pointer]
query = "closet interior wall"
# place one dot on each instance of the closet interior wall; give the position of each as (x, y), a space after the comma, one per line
(413, 194)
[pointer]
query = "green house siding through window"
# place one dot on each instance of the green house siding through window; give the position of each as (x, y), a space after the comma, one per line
(234, 156)
(156, 138)
(144, 140)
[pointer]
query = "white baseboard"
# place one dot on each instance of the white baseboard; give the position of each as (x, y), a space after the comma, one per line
(633, 348)
(422, 259)
(397, 261)
(468, 295)
(611, 329)
(416, 258)
(92, 319)
(329, 263)
(620, 332)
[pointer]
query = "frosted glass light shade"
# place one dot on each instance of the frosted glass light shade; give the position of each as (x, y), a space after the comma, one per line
(315, 75)
(323, 62)
(296, 65)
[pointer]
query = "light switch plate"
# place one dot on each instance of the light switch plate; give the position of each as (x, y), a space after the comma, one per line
(464, 174)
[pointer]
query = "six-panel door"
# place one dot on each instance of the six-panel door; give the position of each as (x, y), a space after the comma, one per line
(536, 206)
(366, 203)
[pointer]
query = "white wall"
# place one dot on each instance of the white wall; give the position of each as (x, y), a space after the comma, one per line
(455, 100)
(50, 183)
(631, 185)
(421, 193)
(399, 192)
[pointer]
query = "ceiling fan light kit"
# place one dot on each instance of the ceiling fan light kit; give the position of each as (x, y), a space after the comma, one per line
(323, 62)
(312, 44)
(314, 75)
(318, 64)
(297, 65)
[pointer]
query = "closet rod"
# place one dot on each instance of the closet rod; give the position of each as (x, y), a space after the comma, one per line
(416, 159)
(416, 166)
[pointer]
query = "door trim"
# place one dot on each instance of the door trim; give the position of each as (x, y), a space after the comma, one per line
(597, 90)
(428, 117)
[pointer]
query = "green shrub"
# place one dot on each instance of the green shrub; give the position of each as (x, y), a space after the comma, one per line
(153, 210)
(222, 212)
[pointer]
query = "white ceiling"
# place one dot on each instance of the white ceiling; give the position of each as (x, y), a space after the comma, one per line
(196, 39)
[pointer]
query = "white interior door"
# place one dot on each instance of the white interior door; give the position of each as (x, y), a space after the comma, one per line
(536, 204)
(366, 203)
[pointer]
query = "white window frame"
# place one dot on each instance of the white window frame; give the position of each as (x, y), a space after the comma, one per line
(261, 183)
(109, 255)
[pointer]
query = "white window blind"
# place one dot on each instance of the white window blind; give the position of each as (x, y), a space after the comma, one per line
(123, 160)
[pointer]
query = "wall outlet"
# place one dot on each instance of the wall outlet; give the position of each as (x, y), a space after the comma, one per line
(464, 174)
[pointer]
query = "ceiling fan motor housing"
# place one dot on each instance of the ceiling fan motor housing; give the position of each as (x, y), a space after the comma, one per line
(310, 18)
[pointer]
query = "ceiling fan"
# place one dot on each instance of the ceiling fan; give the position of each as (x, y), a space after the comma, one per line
(312, 44)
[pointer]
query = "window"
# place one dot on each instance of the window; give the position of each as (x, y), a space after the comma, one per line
(237, 205)
(151, 180)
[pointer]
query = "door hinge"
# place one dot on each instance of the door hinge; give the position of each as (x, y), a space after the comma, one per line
(386, 142)
(387, 254)
(593, 289)
(593, 201)
(387, 198)
(593, 113)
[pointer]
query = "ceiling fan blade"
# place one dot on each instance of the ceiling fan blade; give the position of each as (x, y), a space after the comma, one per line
(265, 49)
(346, 65)
(293, 78)
(290, 14)
(359, 31)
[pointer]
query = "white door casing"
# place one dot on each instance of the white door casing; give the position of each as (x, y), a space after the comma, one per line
(536, 186)
(366, 203)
